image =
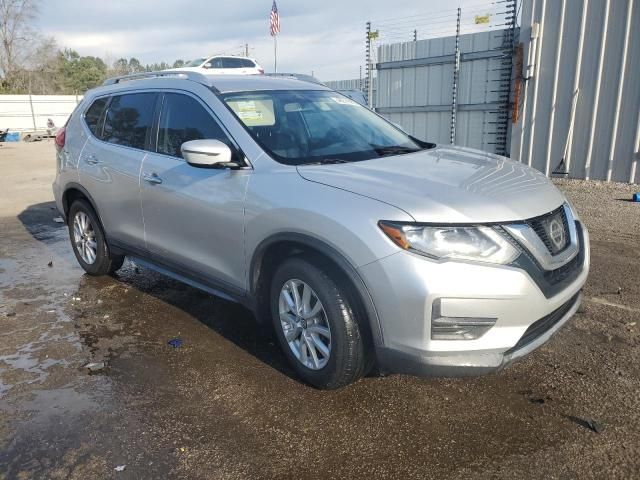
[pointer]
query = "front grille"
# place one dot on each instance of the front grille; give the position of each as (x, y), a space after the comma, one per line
(569, 269)
(539, 225)
(543, 325)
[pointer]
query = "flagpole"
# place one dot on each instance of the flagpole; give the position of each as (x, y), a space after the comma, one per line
(275, 53)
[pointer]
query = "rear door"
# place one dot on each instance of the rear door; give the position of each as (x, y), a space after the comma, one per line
(236, 66)
(216, 65)
(194, 217)
(109, 165)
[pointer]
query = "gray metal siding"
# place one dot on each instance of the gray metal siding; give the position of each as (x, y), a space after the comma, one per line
(415, 88)
(548, 144)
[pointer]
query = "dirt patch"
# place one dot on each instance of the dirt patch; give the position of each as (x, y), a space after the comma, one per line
(225, 404)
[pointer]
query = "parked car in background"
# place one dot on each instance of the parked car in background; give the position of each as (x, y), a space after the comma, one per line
(356, 95)
(362, 245)
(223, 65)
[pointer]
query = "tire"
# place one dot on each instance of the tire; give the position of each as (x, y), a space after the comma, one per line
(104, 262)
(346, 361)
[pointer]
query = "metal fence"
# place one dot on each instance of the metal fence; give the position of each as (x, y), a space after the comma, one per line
(579, 110)
(446, 76)
(28, 113)
(416, 88)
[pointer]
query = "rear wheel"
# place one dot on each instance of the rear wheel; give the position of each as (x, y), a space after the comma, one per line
(316, 325)
(88, 241)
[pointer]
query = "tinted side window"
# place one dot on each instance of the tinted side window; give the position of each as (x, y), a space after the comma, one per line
(247, 63)
(93, 117)
(216, 63)
(183, 119)
(232, 62)
(129, 118)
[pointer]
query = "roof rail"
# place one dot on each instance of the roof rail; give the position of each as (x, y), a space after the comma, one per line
(193, 76)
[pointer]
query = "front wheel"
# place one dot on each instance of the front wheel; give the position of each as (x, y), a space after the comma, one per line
(88, 241)
(316, 325)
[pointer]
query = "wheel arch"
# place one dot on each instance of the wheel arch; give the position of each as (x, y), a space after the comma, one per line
(271, 251)
(74, 191)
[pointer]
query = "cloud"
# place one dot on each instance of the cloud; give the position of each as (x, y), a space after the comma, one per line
(326, 37)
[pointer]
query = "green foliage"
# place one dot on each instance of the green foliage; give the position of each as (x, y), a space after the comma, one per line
(79, 74)
(65, 71)
(31, 63)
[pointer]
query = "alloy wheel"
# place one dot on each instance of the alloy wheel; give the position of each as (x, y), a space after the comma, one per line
(304, 324)
(84, 237)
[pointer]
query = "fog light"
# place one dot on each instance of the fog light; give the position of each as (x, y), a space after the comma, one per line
(457, 328)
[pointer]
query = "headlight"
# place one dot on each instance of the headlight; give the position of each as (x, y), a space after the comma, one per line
(477, 243)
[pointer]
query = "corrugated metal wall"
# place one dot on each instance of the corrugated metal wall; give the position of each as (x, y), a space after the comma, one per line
(24, 113)
(352, 84)
(602, 78)
(415, 82)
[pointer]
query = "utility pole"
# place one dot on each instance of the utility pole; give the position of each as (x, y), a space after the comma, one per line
(246, 49)
(456, 72)
(33, 114)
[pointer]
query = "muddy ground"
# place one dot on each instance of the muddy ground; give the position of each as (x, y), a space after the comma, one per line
(225, 405)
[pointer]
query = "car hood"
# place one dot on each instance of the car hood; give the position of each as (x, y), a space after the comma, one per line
(446, 185)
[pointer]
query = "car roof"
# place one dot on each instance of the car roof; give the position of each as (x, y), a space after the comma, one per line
(220, 55)
(241, 83)
(297, 76)
(221, 83)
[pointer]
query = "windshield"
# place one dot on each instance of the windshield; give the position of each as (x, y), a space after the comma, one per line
(317, 126)
(195, 63)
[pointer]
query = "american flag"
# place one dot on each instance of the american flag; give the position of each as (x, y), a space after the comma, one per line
(274, 20)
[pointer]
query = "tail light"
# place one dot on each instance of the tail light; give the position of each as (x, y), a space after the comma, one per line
(261, 70)
(60, 138)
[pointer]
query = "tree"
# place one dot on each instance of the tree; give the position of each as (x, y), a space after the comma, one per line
(178, 63)
(79, 74)
(135, 66)
(121, 67)
(16, 35)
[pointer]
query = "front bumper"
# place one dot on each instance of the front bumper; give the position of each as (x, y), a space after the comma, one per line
(404, 286)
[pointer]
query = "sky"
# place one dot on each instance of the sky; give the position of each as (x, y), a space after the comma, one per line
(326, 37)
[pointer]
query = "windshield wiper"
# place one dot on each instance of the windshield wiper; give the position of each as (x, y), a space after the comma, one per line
(392, 149)
(326, 161)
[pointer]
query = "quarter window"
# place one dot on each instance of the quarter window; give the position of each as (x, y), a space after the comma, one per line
(93, 117)
(128, 120)
(230, 62)
(183, 119)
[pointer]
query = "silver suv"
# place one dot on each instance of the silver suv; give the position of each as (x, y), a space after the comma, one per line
(365, 247)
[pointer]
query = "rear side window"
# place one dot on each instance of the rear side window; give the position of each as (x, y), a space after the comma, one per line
(93, 116)
(183, 119)
(229, 62)
(128, 120)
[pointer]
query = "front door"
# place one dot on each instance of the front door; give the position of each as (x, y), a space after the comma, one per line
(193, 216)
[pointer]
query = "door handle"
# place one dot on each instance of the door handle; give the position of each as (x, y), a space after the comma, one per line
(91, 160)
(151, 177)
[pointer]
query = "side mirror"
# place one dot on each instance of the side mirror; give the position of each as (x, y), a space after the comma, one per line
(208, 65)
(208, 154)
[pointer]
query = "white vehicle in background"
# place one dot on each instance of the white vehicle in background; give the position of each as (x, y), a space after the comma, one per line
(223, 65)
